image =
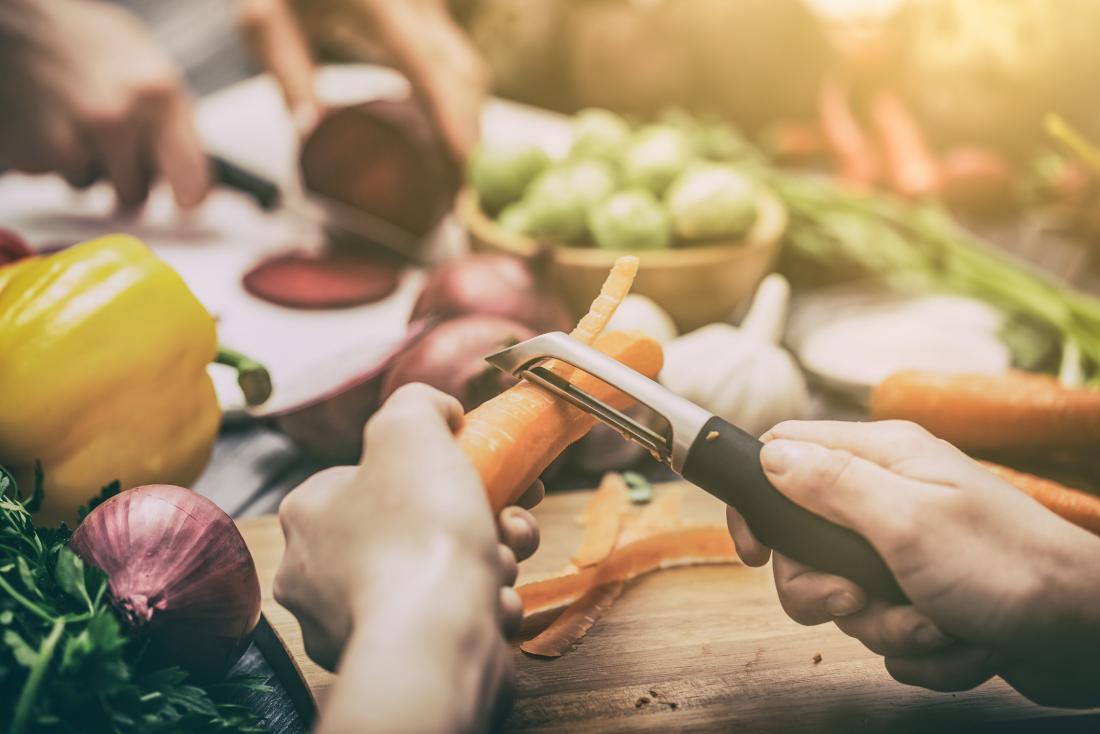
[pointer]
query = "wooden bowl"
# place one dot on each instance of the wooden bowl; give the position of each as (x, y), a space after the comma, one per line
(696, 285)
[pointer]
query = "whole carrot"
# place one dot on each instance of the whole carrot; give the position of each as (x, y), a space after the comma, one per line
(911, 167)
(1009, 412)
(794, 141)
(1080, 508)
(856, 157)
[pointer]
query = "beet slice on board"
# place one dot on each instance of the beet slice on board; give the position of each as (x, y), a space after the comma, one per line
(383, 157)
(297, 280)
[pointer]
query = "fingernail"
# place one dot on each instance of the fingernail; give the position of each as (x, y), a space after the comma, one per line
(927, 635)
(780, 456)
(841, 604)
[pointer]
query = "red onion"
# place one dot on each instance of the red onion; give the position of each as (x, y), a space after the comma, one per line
(324, 413)
(384, 157)
(179, 572)
(12, 247)
(451, 358)
(494, 285)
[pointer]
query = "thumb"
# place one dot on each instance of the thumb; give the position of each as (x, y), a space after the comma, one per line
(848, 490)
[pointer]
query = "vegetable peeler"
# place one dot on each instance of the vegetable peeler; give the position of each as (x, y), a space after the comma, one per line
(709, 452)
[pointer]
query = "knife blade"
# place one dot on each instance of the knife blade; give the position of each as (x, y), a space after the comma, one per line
(330, 213)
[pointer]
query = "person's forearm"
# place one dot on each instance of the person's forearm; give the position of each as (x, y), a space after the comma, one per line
(415, 660)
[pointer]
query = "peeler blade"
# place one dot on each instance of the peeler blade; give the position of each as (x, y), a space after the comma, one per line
(682, 418)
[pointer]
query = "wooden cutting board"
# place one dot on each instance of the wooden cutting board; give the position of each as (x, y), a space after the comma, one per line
(701, 649)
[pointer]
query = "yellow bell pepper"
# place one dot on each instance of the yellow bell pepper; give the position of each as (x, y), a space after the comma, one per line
(103, 356)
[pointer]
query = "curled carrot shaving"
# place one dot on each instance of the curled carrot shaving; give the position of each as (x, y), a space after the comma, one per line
(688, 546)
(614, 290)
(604, 517)
(659, 516)
(574, 622)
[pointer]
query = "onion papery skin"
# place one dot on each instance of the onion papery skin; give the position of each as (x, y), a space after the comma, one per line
(179, 574)
(492, 284)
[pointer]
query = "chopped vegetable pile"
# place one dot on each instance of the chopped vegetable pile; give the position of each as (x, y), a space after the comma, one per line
(67, 663)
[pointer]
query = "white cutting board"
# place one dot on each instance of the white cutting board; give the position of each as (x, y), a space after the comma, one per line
(214, 246)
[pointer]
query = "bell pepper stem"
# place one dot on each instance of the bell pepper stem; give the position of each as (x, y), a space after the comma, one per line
(253, 377)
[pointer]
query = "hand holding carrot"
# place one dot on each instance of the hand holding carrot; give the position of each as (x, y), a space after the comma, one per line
(394, 572)
(1000, 585)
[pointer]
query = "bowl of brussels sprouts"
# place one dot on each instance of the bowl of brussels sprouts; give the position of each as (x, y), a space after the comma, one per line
(679, 193)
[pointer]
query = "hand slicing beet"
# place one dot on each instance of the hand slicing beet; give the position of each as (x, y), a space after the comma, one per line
(451, 358)
(328, 281)
(383, 157)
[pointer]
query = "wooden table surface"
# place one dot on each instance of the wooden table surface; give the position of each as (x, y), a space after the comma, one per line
(701, 649)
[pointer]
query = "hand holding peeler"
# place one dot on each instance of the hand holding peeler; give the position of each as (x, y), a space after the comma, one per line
(709, 452)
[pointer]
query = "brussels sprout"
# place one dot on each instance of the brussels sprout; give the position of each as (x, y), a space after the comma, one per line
(557, 201)
(720, 141)
(599, 134)
(515, 218)
(711, 201)
(555, 210)
(592, 181)
(630, 220)
(501, 174)
(656, 155)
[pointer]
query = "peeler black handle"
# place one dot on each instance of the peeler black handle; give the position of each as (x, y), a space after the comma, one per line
(728, 466)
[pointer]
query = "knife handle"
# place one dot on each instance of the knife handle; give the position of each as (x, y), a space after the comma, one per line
(728, 466)
(229, 174)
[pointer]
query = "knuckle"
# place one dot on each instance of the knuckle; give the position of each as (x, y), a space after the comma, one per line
(906, 432)
(832, 469)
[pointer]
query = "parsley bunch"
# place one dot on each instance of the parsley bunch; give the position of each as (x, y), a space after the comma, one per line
(67, 664)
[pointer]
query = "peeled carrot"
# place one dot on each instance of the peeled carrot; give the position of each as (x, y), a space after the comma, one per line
(1008, 412)
(603, 521)
(1080, 508)
(911, 167)
(659, 516)
(856, 157)
(513, 437)
(977, 178)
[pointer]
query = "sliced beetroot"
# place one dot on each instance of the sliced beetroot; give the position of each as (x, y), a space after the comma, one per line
(12, 247)
(303, 281)
(383, 157)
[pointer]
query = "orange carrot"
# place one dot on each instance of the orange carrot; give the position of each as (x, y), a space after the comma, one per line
(612, 293)
(856, 157)
(684, 547)
(513, 437)
(1080, 508)
(574, 622)
(603, 521)
(977, 179)
(911, 167)
(1008, 412)
(788, 140)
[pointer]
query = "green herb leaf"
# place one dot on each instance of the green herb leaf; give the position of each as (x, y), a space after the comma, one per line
(104, 494)
(639, 489)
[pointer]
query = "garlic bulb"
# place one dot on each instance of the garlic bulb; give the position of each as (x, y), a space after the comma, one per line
(741, 374)
(639, 313)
